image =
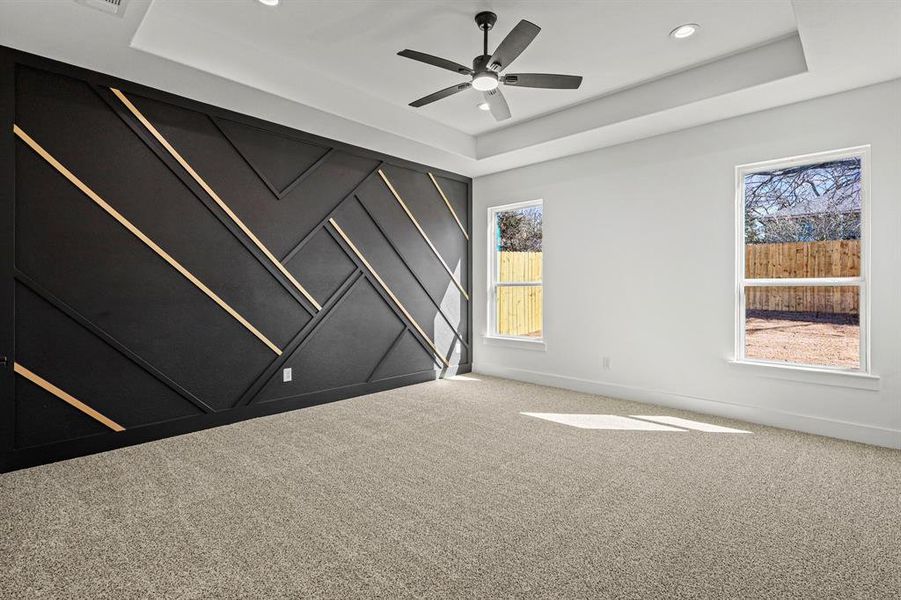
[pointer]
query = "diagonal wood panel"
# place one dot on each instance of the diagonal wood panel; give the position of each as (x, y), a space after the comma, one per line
(363, 326)
(111, 341)
(449, 206)
(405, 356)
(252, 393)
(307, 173)
(322, 223)
(403, 332)
(66, 397)
(290, 153)
(325, 262)
(63, 351)
(140, 235)
(376, 311)
(387, 290)
(406, 267)
(213, 153)
(225, 208)
(425, 236)
(364, 271)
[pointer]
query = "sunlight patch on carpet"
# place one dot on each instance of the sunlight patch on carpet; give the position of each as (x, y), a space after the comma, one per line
(689, 424)
(632, 423)
(615, 422)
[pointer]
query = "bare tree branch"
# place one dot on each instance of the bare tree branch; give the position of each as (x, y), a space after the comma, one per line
(804, 203)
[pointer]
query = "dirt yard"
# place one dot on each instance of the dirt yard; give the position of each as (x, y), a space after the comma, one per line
(805, 339)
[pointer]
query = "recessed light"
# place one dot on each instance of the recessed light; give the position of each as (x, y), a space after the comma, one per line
(268, 2)
(484, 106)
(683, 31)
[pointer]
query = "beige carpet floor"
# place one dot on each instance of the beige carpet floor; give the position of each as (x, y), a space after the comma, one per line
(444, 490)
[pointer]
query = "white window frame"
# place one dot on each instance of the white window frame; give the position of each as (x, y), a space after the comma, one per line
(862, 282)
(493, 283)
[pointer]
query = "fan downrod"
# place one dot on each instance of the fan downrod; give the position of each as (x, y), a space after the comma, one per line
(485, 20)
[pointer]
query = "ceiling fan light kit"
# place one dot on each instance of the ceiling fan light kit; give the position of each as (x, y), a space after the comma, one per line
(485, 81)
(486, 68)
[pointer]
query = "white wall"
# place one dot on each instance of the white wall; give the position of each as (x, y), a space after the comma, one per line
(639, 266)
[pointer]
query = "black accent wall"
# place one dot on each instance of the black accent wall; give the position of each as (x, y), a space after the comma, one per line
(164, 261)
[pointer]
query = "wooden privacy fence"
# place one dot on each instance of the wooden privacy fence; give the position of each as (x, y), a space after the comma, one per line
(519, 308)
(834, 258)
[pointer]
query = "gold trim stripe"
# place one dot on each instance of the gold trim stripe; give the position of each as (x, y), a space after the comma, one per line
(228, 211)
(65, 397)
(449, 207)
(140, 235)
(388, 291)
(423, 234)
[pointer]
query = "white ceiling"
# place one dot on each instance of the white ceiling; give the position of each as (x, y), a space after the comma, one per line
(331, 67)
(612, 44)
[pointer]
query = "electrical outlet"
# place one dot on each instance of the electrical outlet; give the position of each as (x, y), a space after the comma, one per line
(286, 375)
(605, 361)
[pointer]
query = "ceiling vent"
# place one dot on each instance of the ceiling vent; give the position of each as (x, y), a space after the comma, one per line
(110, 7)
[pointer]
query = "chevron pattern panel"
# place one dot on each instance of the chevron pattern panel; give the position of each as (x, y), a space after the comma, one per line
(169, 262)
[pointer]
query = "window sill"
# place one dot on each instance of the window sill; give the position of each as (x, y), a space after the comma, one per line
(512, 342)
(848, 379)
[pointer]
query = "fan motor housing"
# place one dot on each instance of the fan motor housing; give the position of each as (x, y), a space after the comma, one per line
(480, 63)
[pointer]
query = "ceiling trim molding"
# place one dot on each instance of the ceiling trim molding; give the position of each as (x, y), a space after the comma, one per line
(766, 63)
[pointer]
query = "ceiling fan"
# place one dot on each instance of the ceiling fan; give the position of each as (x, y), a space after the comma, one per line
(485, 71)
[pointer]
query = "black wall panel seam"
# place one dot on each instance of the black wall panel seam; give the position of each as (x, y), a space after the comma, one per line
(279, 194)
(424, 235)
(309, 171)
(378, 288)
(111, 341)
(387, 353)
(322, 223)
(202, 196)
(416, 277)
(111, 211)
(292, 347)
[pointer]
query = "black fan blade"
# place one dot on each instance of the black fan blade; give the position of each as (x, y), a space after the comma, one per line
(448, 91)
(436, 61)
(498, 104)
(513, 45)
(544, 80)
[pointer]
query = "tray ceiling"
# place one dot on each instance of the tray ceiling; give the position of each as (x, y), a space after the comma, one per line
(331, 67)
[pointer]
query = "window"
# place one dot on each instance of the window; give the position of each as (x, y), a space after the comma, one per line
(802, 261)
(515, 252)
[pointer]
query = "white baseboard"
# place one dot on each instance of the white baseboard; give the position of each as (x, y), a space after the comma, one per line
(856, 432)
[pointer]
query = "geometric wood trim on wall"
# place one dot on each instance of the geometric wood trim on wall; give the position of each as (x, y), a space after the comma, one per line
(370, 237)
(388, 291)
(278, 189)
(110, 341)
(141, 236)
(424, 235)
(449, 206)
(66, 397)
(435, 301)
(228, 211)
